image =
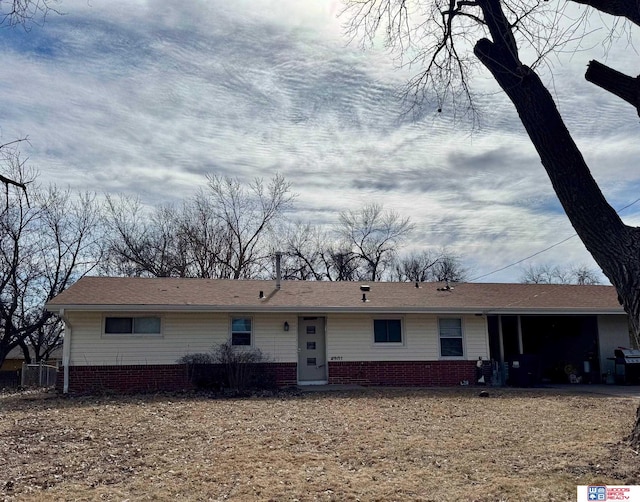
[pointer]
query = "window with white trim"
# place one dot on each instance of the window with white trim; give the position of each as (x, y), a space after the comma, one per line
(451, 343)
(387, 331)
(241, 330)
(136, 325)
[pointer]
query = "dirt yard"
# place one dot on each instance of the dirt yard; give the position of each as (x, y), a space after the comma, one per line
(440, 445)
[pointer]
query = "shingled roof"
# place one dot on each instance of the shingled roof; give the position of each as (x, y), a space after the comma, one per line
(159, 294)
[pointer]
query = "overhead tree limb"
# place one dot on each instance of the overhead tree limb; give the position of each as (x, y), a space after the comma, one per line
(629, 9)
(623, 86)
(8, 181)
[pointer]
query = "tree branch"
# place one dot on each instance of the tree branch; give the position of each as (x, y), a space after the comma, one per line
(8, 181)
(623, 86)
(629, 9)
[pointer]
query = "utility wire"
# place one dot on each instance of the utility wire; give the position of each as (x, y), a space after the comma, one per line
(543, 250)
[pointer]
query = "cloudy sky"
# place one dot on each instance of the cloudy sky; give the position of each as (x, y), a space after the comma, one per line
(146, 98)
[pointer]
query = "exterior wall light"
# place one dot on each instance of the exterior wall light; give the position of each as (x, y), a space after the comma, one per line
(286, 326)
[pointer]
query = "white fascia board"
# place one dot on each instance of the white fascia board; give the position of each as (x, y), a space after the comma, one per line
(551, 312)
(258, 308)
(327, 309)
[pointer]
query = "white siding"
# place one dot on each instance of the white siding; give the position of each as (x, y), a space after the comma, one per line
(613, 332)
(270, 337)
(350, 338)
(182, 333)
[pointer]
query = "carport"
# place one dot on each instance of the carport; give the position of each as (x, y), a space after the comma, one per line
(537, 349)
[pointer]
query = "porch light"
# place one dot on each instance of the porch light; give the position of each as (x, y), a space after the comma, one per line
(286, 326)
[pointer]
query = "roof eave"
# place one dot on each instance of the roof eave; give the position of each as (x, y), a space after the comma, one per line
(548, 311)
(328, 309)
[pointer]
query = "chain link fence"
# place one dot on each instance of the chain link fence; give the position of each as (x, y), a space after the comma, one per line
(39, 375)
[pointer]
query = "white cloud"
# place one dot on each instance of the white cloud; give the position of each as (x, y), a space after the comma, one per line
(147, 97)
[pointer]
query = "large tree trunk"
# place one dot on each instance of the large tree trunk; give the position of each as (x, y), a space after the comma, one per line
(613, 245)
(634, 438)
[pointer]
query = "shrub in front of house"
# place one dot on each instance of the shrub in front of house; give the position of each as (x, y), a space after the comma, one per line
(228, 368)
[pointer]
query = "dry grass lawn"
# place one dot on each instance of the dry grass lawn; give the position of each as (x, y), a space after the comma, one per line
(374, 444)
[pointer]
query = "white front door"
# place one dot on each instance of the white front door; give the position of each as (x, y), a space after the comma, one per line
(312, 358)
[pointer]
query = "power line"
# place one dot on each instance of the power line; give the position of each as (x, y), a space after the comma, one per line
(545, 249)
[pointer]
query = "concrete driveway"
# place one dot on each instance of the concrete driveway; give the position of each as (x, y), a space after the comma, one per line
(632, 391)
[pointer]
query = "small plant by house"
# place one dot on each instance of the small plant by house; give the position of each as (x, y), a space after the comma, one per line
(228, 368)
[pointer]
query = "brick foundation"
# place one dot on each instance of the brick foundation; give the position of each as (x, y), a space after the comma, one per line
(175, 377)
(150, 378)
(410, 373)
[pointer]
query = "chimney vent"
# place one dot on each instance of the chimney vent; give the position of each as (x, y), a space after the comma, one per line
(278, 275)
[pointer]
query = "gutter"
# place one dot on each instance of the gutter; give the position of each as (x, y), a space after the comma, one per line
(319, 309)
(66, 349)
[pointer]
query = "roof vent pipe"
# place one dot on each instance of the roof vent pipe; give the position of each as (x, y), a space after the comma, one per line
(278, 277)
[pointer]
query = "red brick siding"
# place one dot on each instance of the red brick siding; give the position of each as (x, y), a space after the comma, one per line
(173, 377)
(147, 378)
(286, 374)
(412, 373)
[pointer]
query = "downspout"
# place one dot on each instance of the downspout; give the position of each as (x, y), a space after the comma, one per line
(66, 350)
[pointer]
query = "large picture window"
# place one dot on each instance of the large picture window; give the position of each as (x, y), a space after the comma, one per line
(241, 331)
(387, 331)
(144, 325)
(451, 337)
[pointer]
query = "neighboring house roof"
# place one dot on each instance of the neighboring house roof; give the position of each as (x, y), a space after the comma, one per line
(16, 353)
(160, 294)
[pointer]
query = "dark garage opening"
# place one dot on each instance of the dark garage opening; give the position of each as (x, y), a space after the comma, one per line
(555, 347)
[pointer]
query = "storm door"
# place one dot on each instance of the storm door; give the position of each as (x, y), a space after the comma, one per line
(312, 359)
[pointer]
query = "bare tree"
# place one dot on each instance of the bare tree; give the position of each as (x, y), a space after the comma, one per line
(166, 241)
(546, 274)
(304, 252)
(312, 253)
(248, 214)
(39, 345)
(415, 267)
(429, 266)
(449, 268)
(374, 235)
(437, 40)
(207, 240)
(142, 243)
(44, 247)
(24, 12)
(342, 264)
(222, 232)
